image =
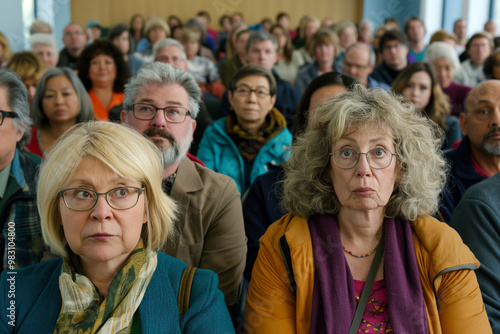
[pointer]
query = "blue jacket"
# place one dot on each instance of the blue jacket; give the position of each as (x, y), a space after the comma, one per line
(38, 300)
(306, 74)
(372, 83)
(462, 175)
(219, 153)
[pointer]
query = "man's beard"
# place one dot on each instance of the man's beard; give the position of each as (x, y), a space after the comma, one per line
(491, 148)
(173, 153)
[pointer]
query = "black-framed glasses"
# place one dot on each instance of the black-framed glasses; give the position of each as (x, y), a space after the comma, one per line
(244, 90)
(4, 114)
(173, 114)
(347, 158)
(83, 199)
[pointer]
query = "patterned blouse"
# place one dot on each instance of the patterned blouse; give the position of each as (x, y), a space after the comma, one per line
(376, 318)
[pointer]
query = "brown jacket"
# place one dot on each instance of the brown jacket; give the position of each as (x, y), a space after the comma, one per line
(451, 293)
(210, 232)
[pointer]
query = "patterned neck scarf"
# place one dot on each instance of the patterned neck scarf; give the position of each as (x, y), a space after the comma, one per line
(248, 144)
(83, 310)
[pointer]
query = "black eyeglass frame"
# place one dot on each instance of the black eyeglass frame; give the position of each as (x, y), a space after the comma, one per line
(132, 108)
(7, 114)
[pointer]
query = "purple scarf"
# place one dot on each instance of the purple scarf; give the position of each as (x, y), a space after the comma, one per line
(334, 302)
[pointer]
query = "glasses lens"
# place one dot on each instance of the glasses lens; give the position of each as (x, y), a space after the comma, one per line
(175, 115)
(79, 198)
(345, 157)
(1, 118)
(123, 198)
(144, 111)
(379, 157)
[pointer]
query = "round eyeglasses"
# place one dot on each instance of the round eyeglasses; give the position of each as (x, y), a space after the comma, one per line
(347, 158)
(83, 199)
(173, 114)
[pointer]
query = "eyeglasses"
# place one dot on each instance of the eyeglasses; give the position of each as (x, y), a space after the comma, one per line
(4, 114)
(83, 199)
(389, 47)
(347, 158)
(355, 66)
(146, 111)
(245, 91)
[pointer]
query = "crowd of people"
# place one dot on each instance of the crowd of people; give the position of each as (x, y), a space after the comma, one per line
(256, 178)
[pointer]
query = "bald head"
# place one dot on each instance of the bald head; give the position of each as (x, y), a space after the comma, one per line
(486, 91)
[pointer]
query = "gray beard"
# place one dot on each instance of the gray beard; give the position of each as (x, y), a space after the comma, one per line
(176, 151)
(491, 148)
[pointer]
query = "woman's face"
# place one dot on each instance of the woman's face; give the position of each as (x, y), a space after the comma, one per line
(102, 71)
(250, 108)
(444, 71)
(280, 37)
(419, 89)
(310, 30)
(122, 42)
(31, 84)
(347, 37)
(101, 234)
(156, 34)
(137, 24)
(60, 101)
(364, 188)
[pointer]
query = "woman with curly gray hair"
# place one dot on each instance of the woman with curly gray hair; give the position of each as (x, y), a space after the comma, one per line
(358, 250)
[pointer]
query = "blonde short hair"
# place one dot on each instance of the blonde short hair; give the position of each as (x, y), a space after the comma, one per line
(308, 189)
(126, 152)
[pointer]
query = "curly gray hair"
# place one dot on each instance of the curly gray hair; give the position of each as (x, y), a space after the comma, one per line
(308, 188)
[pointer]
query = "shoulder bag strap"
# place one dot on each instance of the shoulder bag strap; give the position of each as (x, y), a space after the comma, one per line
(360, 310)
(185, 290)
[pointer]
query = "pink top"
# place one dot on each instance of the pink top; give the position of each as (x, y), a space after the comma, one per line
(376, 318)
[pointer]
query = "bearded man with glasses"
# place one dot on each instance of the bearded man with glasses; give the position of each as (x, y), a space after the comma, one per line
(162, 102)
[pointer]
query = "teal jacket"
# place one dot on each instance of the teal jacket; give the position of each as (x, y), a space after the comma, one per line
(37, 299)
(219, 153)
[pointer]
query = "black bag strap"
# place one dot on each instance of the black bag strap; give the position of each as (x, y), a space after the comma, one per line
(287, 259)
(185, 290)
(365, 294)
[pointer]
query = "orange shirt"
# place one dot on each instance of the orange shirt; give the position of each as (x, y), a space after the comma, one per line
(100, 112)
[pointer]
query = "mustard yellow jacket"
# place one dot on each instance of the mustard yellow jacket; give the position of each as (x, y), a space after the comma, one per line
(452, 297)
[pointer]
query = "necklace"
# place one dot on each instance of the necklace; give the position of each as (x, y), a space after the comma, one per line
(357, 255)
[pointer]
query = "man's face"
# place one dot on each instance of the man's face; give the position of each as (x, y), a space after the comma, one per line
(394, 54)
(479, 50)
(74, 39)
(173, 139)
(357, 64)
(263, 54)
(460, 29)
(416, 31)
(172, 55)
(481, 123)
(8, 133)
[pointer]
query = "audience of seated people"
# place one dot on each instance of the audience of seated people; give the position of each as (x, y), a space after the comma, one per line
(224, 112)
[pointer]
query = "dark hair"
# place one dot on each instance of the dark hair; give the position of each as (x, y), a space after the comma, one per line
(438, 107)
(205, 14)
(131, 26)
(175, 17)
(103, 47)
(288, 49)
(392, 35)
(479, 35)
(253, 69)
(324, 80)
(412, 18)
(116, 31)
(224, 17)
(488, 65)
(280, 15)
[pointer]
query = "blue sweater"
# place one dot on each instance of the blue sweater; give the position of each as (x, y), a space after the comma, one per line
(37, 300)
(219, 153)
